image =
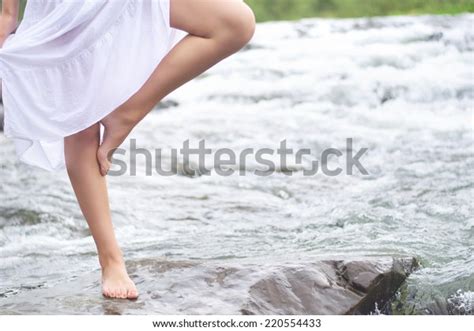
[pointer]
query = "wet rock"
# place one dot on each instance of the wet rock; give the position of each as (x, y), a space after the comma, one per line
(389, 93)
(187, 287)
(431, 37)
(253, 99)
(409, 302)
(1, 117)
(437, 306)
(1, 107)
(461, 303)
(251, 46)
(166, 104)
(330, 287)
(376, 23)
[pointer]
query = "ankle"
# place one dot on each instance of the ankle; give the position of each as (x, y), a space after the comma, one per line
(110, 259)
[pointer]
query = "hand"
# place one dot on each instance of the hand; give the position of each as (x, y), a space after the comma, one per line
(8, 24)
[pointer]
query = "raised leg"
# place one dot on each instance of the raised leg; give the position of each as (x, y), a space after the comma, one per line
(91, 192)
(216, 30)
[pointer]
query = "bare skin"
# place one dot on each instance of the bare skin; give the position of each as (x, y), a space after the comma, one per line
(227, 27)
(8, 18)
(90, 188)
(216, 30)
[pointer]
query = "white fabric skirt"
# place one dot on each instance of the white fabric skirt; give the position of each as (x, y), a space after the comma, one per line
(72, 62)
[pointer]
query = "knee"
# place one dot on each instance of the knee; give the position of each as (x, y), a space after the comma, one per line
(89, 136)
(238, 25)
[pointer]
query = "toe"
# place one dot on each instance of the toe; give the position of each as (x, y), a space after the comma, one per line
(132, 294)
(104, 164)
(123, 293)
(103, 170)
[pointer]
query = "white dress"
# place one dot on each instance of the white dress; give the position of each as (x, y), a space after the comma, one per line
(72, 62)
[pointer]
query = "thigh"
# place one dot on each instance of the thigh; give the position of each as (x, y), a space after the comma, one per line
(89, 136)
(205, 17)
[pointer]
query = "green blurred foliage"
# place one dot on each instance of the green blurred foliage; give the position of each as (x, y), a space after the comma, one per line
(22, 4)
(267, 10)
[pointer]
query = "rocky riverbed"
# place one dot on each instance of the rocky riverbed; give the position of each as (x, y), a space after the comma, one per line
(185, 287)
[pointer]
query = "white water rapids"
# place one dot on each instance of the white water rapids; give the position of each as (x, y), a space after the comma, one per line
(401, 87)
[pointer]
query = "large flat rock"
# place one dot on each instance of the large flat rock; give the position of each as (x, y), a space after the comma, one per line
(181, 287)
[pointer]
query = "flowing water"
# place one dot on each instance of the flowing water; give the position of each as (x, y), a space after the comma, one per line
(401, 87)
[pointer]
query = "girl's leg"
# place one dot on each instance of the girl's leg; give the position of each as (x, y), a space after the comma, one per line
(91, 192)
(216, 30)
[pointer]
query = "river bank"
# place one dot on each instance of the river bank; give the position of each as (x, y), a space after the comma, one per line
(296, 9)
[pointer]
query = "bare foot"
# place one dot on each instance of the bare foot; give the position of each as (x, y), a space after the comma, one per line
(116, 283)
(117, 126)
